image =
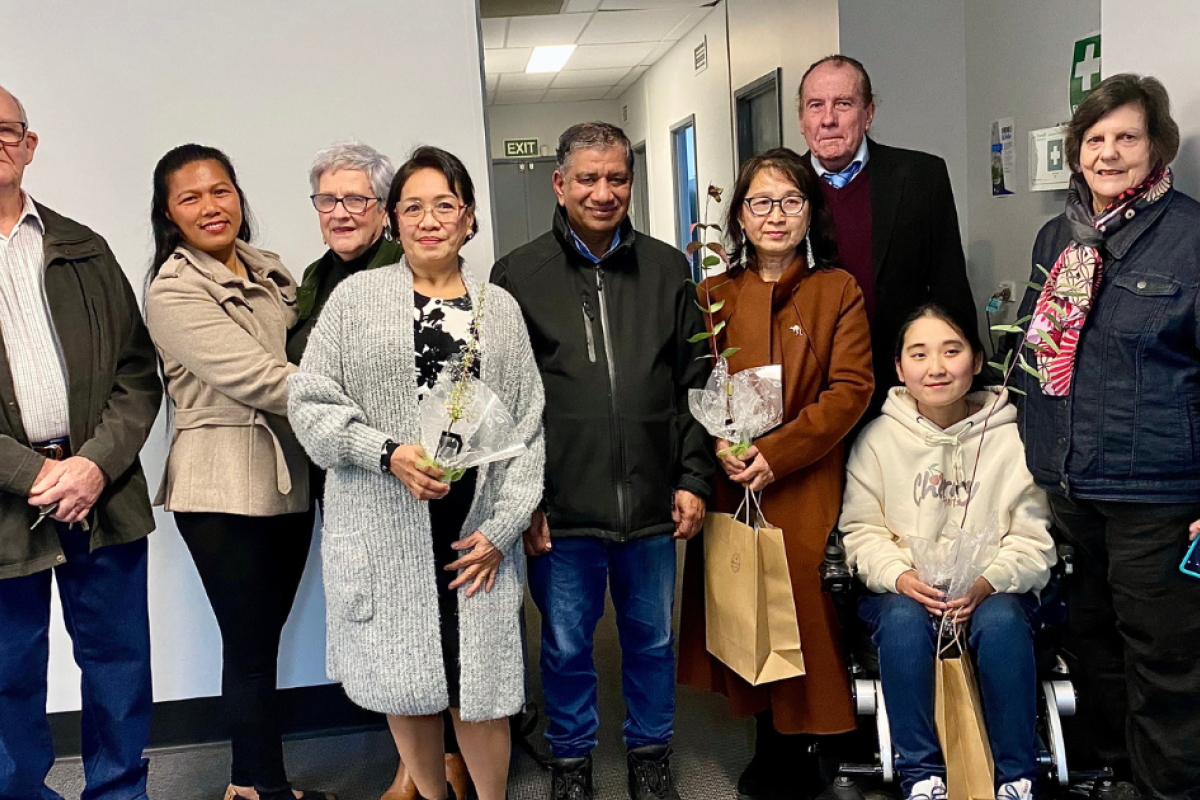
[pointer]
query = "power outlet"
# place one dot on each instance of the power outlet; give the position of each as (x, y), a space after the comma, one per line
(1006, 292)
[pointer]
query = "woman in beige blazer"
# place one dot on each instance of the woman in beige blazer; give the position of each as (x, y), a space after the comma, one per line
(236, 478)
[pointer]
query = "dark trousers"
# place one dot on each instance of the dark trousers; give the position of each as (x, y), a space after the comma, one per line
(1134, 635)
(251, 568)
(103, 598)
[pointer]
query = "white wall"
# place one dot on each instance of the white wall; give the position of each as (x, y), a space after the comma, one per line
(1018, 65)
(1158, 37)
(762, 35)
(545, 121)
(666, 95)
(916, 37)
(111, 87)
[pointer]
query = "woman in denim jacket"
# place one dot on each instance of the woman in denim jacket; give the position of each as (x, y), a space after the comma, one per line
(1112, 429)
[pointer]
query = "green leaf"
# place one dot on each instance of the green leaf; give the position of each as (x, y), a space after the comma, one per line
(717, 306)
(719, 327)
(699, 337)
(1043, 270)
(728, 351)
(1007, 329)
(1061, 311)
(702, 358)
(1015, 390)
(1023, 364)
(1023, 319)
(710, 261)
(692, 282)
(1008, 361)
(995, 366)
(1037, 287)
(1053, 345)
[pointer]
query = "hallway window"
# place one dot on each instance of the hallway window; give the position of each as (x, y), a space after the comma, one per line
(687, 198)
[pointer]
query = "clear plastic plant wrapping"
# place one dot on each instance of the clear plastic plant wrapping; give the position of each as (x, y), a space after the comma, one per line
(463, 425)
(740, 407)
(955, 557)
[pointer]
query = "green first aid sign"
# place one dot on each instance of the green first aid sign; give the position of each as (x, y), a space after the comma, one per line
(1085, 69)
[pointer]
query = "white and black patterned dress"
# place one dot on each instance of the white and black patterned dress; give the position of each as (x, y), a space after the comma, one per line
(441, 330)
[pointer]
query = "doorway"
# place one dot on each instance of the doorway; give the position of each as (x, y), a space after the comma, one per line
(639, 206)
(759, 117)
(687, 197)
(525, 200)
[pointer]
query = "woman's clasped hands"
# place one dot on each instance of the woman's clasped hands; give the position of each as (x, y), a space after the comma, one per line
(751, 469)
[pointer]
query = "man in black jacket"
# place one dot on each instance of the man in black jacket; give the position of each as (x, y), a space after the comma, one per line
(627, 467)
(893, 211)
(79, 391)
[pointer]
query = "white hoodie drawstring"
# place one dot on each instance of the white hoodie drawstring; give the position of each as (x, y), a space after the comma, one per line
(935, 437)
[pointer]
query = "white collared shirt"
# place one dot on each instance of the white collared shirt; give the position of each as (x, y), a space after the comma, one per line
(34, 356)
(860, 157)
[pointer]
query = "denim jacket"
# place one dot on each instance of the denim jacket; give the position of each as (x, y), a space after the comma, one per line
(1130, 428)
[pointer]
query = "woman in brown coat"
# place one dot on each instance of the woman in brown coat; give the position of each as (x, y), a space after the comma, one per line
(783, 304)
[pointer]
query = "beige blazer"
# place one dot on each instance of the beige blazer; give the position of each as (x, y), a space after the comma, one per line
(221, 339)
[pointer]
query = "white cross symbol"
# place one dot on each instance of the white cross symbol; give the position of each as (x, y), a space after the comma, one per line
(1089, 66)
(1056, 155)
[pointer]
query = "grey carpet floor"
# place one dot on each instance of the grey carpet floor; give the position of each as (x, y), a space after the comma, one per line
(711, 748)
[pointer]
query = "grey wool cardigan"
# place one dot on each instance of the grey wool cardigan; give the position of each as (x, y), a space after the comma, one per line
(356, 388)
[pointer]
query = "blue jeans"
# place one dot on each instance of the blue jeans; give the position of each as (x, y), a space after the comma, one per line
(1000, 638)
(568, 586)
(103, 598)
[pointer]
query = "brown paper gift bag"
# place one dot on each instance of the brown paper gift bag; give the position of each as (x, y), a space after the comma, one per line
(958, 716)
(751, 613)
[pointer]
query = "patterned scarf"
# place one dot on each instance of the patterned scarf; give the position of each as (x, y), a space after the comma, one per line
(1070, 292)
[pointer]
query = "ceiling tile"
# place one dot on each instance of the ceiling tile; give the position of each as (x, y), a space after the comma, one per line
(656, 53)
(493, 83)
(518, 98)
(508, 60)
(620, 5)
(546, 30)
(690, 21)
(521, 81)
(575, 95)
(615, 92)
(609, 27)
(632, 77)
(573, 6)
(493, 33)
(609, 56)
(578, 78)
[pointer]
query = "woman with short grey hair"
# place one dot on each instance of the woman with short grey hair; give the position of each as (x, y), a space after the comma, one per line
(349, 182)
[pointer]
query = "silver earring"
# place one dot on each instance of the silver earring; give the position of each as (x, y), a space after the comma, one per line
(808, 253)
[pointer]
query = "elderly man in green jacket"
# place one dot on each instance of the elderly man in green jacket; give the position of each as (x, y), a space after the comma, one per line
(79, 392)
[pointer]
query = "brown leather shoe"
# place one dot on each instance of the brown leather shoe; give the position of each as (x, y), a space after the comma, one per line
(457, 775)
(403, 788)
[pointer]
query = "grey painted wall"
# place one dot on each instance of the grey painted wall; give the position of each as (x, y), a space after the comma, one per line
(1018, 63)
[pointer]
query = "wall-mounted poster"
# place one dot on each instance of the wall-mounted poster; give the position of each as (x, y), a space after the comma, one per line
(1004, 157)
(1048, 168)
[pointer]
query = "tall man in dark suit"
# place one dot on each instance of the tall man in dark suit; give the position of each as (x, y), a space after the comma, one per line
(897, 228)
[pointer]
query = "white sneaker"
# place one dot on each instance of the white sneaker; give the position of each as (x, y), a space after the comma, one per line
(1016, 790)
(929, 789)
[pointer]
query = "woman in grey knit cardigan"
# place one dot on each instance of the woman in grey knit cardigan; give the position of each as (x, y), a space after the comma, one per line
(424, 580)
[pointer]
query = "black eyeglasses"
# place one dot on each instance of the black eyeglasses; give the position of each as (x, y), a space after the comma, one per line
(13, 132)
(791, 206)
(353, 203)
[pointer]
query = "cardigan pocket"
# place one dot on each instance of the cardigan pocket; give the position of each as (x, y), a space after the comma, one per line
(349, 578)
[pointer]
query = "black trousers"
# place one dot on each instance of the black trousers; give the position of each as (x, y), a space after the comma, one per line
(1134, 638)
(251, 568)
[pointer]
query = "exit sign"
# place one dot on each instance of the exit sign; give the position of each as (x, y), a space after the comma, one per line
(517, 148)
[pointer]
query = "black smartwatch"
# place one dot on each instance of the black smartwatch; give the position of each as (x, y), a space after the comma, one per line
(385, 456)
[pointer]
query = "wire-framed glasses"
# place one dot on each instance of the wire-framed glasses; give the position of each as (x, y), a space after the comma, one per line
(791, 206)
(444, 210)
(353, 203)
(13, 132)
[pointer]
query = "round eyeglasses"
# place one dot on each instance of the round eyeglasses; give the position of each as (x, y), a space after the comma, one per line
(353, 203)
(443, 210)
(791, 206)
(12, 132)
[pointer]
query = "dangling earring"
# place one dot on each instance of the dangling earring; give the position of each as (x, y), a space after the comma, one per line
(808, 253)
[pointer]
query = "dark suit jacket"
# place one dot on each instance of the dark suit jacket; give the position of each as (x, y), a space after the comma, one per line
(918, 253)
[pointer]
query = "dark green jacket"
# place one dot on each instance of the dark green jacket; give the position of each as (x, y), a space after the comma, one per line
(320, 279)
(114, 397)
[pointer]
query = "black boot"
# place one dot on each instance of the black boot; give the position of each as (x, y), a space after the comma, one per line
(650, 774)
(761, 775)
(571, 779)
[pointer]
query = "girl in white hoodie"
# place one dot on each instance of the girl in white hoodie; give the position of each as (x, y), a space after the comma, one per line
(911, 469)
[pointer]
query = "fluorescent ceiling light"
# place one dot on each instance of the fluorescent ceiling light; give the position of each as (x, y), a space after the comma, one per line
(549, 59)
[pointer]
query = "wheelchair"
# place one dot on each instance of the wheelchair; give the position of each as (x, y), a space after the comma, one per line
(1056, 694)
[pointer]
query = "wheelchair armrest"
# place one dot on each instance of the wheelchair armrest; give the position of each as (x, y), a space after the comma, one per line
(1066, 558)
(836, 575)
